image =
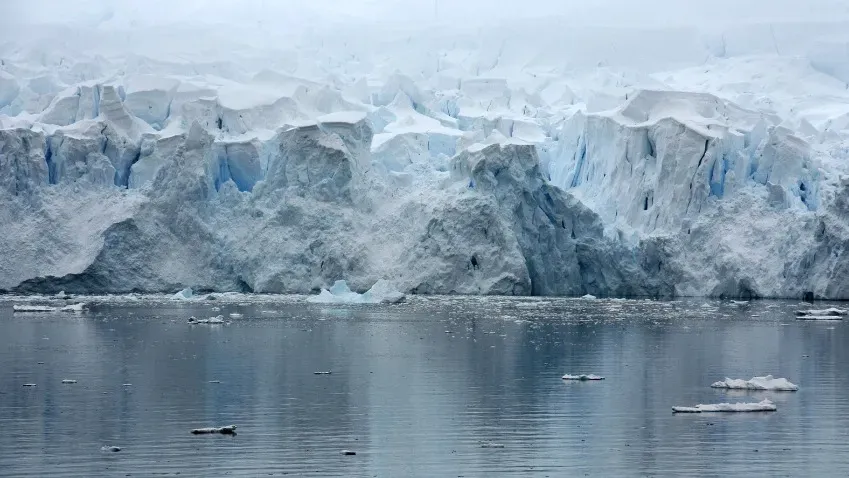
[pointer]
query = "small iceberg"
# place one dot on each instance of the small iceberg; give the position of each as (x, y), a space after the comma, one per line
(78, 307)
(831, 313)
(114, 449)
(589, 297)
(382, 292)
(228, 430)
(217, 320)
(583, 377)
(69, 381)
(34, 308)
(757, 383)
(763, 406)
(740, 302)
(47, 308)
(184, 294)
(322, 373)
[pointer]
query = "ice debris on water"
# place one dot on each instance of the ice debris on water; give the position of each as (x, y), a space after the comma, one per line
(322, 373)
(217, 320)
(69, 381)
(763, 406)
(823, 312)
(236, 315)
(29, 385)
(382, 292)
(767, 382)
(113, 449)
(831, 313)
(184, 294)
(583, 377)
(226, 430)
(589, 297)
(34, 308)
(47, 308)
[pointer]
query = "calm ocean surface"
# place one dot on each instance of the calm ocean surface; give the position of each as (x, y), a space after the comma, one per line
(436, 387)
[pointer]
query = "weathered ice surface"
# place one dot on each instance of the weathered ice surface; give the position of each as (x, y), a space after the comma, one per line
(526, 158)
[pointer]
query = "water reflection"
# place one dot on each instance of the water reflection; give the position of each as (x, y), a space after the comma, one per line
(420, 389)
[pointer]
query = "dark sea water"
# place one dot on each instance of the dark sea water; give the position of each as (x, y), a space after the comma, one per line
(437, 387)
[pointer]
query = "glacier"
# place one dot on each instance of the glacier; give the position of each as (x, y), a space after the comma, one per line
(694, 162)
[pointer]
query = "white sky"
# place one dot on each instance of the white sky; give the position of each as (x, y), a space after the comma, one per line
(125, 13)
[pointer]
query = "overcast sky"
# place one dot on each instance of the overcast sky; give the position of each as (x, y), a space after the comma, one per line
(120, 13)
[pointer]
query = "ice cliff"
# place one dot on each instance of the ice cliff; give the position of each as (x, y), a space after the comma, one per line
(476, 173)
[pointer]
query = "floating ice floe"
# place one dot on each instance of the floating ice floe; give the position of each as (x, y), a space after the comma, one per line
(589, 297)
(831, 313)
(583, 377)
(228, 430)
(69, 381)
(78, 307)
(29, 385)
(322, 373)
(47, 308)
(236, 315)
(113, 449)
(757, 383)
(210, 321)
(740, 302)
(382, 292)
(184, 294)
(763, 406)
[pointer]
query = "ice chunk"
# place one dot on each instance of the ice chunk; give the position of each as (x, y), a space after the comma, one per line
(184, 294)
(227, 430)
(211, 321)
(382, 292)
(582, 377)
(758, 383)
(47, 308)
(69, 381)
(34, 308)
(73, 307)
(113, 449)
(830, 312)
(819, 317)
(763, 406)
(589, 297)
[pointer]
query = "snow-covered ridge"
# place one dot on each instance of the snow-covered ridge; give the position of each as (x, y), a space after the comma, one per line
(463, 169)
